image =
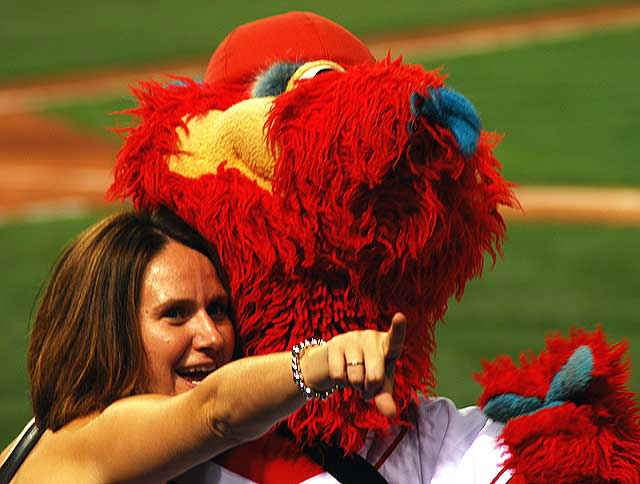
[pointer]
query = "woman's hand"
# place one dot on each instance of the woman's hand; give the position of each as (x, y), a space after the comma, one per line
(363, 360)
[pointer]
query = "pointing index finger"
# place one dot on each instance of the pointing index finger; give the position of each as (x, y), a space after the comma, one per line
(394, 339)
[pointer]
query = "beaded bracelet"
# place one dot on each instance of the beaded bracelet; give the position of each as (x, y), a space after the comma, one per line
(296, 353)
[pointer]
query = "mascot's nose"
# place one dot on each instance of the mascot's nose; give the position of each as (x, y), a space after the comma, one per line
(452, 110)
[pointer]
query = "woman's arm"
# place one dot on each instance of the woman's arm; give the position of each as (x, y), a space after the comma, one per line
(152, 438)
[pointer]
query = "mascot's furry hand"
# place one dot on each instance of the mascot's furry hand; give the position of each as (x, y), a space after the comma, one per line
(569, 417)
(338, 190)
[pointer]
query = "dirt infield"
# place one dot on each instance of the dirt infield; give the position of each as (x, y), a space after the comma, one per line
(577, 205)
(49, 167)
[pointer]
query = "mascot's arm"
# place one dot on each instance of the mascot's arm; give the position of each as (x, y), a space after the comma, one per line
(569, 418)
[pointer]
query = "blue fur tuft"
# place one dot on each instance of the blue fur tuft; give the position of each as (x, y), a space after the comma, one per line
(274, 81)
(573, 379)
(452, 110)
(504, 407)
(568, 385)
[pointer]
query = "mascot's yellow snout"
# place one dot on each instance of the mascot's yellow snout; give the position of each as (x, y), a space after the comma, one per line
(236, 136)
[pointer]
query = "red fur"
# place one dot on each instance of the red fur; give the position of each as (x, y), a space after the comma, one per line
(365, 219)
(597, 441)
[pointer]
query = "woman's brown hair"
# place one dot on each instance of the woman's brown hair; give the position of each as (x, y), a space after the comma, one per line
(85, 349)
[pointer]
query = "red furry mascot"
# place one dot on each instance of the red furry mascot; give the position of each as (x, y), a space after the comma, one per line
(339, 189)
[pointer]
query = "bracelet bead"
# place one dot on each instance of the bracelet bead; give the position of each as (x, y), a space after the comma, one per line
(297, 351)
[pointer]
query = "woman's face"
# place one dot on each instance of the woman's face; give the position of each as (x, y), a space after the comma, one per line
(184, 318)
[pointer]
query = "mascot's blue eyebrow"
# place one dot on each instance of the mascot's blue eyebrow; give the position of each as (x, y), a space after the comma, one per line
(274, 80)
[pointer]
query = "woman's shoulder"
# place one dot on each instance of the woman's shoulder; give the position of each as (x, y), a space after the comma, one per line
(53, 457)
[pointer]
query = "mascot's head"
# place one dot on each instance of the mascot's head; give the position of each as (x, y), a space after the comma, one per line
(337, 188)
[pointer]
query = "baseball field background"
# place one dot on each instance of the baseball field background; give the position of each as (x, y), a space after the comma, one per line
(566, 100)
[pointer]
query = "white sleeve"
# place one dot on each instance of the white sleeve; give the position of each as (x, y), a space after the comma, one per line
(445, 446)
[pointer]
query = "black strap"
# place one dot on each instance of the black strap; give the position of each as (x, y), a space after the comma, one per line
(19, 453)
(347, 469)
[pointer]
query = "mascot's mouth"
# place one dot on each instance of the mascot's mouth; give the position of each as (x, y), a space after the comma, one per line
(195, 374)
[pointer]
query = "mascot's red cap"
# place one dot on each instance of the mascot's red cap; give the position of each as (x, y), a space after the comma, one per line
(291, 37)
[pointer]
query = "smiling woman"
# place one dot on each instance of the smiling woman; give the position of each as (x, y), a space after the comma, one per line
(114, 275)
(134, 333)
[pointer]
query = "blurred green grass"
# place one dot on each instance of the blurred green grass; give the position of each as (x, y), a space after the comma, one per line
(96, 115)
(78, 35)
(551, 277)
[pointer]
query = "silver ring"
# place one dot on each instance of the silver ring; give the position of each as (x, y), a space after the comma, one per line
(355, 363)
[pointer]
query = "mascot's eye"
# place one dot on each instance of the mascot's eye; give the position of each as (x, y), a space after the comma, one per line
(283, 76)
(314, 71)
(311, 70)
